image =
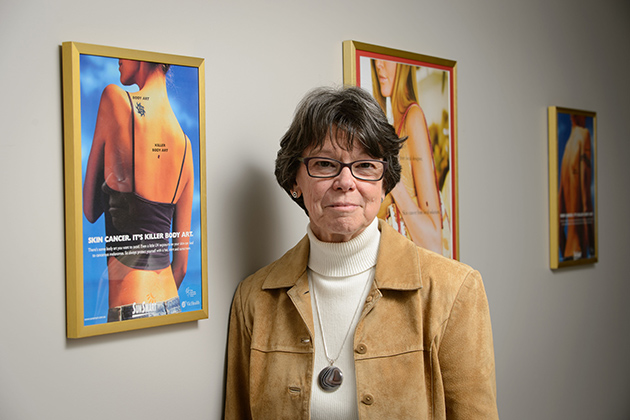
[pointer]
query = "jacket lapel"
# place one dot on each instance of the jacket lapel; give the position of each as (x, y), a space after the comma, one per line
(289, 272)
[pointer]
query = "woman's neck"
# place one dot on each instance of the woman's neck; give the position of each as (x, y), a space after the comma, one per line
(151, 79)
(154, 87)
(338, 259)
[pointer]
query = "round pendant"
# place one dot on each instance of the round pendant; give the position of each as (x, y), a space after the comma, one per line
(330, 378)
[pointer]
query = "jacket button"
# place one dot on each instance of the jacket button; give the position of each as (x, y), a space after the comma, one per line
(361, 349)
(369, 299)
(367, 399)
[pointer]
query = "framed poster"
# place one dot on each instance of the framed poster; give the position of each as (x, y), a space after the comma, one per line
(134, 169)
(418, 95)
(572, 187)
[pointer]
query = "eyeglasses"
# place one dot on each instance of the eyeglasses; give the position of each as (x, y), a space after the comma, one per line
(365, 170)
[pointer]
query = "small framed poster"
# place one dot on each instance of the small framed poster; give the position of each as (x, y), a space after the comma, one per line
(572, 187)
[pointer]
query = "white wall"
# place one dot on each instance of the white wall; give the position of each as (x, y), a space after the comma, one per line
(562, 338)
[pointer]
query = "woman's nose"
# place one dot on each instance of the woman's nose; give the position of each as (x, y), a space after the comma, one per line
(345, 180)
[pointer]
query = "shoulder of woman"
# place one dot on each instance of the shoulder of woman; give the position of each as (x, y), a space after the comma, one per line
(444, 270)
(251, 287)
(414, 109)
(115, 95)
(415, 116)
(114, 104)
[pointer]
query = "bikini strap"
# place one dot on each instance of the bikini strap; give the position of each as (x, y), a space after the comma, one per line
(404, 117)
(133, 145)
(181, 170)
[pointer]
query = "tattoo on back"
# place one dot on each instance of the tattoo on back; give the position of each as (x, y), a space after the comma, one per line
(140, 109)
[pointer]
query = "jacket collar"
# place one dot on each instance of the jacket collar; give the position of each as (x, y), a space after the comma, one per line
(397, 265)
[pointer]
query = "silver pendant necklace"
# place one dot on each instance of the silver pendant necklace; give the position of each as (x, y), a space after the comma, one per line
(331, 377)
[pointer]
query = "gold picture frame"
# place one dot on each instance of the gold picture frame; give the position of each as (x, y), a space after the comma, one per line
(572, 187)
(420, 92)
(88, 70)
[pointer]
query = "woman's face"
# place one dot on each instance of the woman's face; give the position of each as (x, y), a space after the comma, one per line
(128, 70)
(339, 208)
(386, 72)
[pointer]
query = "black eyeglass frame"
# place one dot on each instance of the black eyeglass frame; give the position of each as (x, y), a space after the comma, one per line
(306, 160)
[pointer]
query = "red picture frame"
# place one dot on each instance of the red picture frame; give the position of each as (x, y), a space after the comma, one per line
(421, 104)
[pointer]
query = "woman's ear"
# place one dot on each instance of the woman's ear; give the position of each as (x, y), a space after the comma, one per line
(296, 192)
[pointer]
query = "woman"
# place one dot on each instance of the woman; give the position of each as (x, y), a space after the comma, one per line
(355, 322)
(140, 175)
(575, 201)
(414, 206)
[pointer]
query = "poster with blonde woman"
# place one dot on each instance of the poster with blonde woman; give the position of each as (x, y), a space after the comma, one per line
(417, 95)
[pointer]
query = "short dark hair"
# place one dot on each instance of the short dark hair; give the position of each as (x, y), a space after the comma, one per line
(348, 114)
(163, 67)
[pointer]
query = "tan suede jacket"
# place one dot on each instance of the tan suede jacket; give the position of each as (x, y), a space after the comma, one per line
(423, 346)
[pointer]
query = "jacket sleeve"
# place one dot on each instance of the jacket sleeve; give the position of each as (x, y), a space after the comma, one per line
(466, 355)
(237, 406)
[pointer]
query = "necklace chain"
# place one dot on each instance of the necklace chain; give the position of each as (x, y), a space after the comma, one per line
(321, 327)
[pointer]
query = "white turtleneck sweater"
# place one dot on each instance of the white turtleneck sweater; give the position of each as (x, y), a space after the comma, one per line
(340, 275)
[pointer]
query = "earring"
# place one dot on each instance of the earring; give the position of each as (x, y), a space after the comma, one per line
(294, 194)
